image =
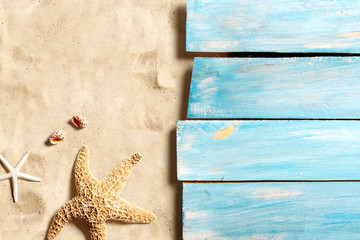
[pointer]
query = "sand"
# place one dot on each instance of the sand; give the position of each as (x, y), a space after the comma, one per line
(123, 65)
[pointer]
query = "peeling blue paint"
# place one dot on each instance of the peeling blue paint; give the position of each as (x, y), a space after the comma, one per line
(273, 26)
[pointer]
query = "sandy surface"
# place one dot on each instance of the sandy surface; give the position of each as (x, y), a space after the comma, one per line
(122, 64)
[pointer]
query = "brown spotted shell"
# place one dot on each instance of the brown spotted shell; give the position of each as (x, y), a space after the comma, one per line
(80, 121)
(57, 137)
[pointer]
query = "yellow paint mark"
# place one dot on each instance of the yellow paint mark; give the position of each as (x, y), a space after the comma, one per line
(214, 169)
(274, 193)
(280, 236)
(325, 46)
(349, 35)
(224, 133)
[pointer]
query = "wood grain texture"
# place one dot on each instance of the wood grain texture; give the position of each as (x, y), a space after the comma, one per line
(271, 211)
(273, 26)
(268, 150)
(316, 88)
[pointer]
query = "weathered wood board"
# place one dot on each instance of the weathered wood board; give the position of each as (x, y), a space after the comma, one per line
(273, 26)
(268, 150)
(315, 88)
(272, 211)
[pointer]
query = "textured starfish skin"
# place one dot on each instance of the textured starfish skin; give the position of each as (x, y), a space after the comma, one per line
(97, 201)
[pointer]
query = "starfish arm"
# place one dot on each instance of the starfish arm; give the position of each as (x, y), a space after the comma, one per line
(128, 213)
(66, 213)
(5, 176)
(28, 177)
(14, 188)
(115, 181)
(97, 230)
(83, 176)
(6, 163)
(22, 160)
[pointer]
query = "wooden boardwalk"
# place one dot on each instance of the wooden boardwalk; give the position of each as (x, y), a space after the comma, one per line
(323, 26)
(271, 211)
(270, 149)
(309, 88)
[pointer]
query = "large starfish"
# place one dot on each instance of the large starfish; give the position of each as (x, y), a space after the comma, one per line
(14, 174)
(97, 201)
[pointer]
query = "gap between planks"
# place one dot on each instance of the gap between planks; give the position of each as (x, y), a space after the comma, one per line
(267, 54)
(269, 181)
(271, 119)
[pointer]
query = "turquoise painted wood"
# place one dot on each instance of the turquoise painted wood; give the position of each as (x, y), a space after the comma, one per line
(316, 88)
(271, 211)
(268, 150)
(273, 26)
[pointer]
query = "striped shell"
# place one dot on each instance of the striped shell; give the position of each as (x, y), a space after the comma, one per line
(80, 121)
(57, 136)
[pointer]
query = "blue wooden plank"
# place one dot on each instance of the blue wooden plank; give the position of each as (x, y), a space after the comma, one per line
(320, 88)
(273, 26)
(272, 211)
(268, 150)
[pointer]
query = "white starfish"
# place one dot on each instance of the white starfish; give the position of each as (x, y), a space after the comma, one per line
(14, 174)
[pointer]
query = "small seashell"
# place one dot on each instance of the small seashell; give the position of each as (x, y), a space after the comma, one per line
(57, 136)
(80, 121)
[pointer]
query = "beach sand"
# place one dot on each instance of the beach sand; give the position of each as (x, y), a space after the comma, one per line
(120, 63)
